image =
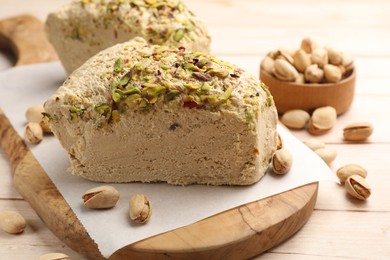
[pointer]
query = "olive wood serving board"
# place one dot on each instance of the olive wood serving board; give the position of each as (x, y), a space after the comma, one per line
(241, 232)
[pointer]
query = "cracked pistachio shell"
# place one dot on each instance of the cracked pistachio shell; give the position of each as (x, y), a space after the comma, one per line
(326, 154)
(102, 197)
(350, 169)
(357, 131)
(54, 256)
(286, 55)
(332, 73)
(285, 71)
(320, 57)
(302, 60)
(357, 187)
(295, 118)
(12, 222)
(33, 133)
(140, 208)
(34, 114)
(282, 161)
(322, 120)
(315, 144)
(335, 57)
(268, 64)
(308, 45)
(279, 142)
(313, 74)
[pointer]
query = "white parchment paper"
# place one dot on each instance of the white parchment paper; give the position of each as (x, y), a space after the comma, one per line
(173, 206)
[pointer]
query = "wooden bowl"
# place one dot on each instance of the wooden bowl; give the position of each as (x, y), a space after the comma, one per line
(288, 95)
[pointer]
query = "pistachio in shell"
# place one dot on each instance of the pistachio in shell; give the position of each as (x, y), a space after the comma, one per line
(322, 120)
(296, 118)
(350, 169)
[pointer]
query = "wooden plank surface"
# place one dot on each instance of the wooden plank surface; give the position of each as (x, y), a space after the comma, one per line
(244, 31)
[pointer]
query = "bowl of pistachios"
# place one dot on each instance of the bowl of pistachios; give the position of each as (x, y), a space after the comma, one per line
(308, 78)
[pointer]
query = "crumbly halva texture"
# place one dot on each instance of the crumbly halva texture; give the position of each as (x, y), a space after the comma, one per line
(136, 112)
(84, 27)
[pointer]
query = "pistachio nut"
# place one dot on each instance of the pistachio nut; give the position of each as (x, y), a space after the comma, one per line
(301, 60)
(332, 73)
(268, 65)
(315, 144)
(314, 74)
(348, 62)
(279, 142)
(285, 71)
(308, 45)
(350, 169)
(286, 55)
(326, 154)
(322, 120)
(282, 161)
(34, 114)
(140, 208)
(54, 256)
(335, 57)
(343, 70)
(300, 79)
(320, 57)
(33, 133)
(357, 187)
(295, 118)
(273, 54)
(357, 131)
(12, 222)
(102, 197)
(45, 127)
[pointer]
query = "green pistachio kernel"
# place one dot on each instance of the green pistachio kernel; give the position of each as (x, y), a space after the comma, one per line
(117, 96)
(191, 86)
(172, 94)
(152, 89)
(220, 73)
(131, 90)
(76, 110)
(118, 65)
(104, 110)
(179, 34)
(225, 96)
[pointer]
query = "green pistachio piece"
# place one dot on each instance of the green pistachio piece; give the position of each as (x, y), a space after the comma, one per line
(142, 65)
(118, 65)
(165, 67)
(152, 89)
(179, 34)
(104, 110)
(202, 62)
(133, 100)
(220, 73)
(225, 96)
(189, 25)
(191, 86)
(117, 96)
(130, 91)
(172, 94)
(76, 110)
(212, 99)
(74, 117)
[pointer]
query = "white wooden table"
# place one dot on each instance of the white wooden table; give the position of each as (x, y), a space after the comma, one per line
(243, 32)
